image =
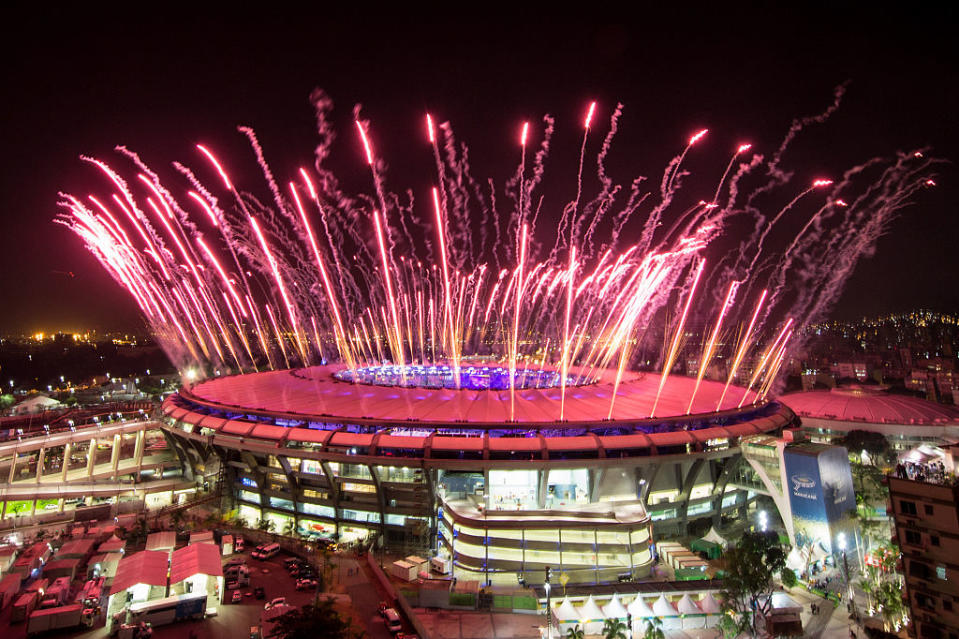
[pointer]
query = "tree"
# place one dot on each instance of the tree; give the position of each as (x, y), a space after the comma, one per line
(176, 519)
(728, 627)
(875, 445)
(266, 525)
(654, 629)
(576, 632)
(614, 629)
(314, 621)
(750, 568)
(788, 578)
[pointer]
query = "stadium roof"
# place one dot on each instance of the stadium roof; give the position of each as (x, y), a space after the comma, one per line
(862, 405)
(315, 393)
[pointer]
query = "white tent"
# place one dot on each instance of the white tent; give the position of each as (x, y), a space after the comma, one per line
(709, 605)
(715, 537)
(35, 404)
(614, 609)
(639, 609)
(693, 616)
(566, 615)
(923, 454)
(591, 617)
(667, 613)
(686, 606)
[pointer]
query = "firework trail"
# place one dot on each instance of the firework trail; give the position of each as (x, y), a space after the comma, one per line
(382, 278)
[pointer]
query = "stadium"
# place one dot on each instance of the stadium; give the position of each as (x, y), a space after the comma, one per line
(464, 469)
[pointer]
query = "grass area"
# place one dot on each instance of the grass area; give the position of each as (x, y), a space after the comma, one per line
(25, 507)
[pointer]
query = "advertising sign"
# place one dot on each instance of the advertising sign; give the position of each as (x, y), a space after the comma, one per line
(821, 494)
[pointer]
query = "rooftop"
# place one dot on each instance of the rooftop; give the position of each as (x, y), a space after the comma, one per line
(862, 405)
(315, 392)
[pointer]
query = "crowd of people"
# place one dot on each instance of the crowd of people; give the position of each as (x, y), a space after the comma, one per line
(929, 472)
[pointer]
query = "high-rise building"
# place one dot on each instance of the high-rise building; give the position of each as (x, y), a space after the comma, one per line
(925, 506)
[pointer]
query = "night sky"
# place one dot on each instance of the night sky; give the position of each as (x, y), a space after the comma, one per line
(78, 83)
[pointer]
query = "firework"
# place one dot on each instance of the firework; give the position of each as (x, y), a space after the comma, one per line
(481, 277)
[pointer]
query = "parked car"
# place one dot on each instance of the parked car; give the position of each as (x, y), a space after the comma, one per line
(237, 597)
(292, 561)
(394, 623)
(259, 593)
(233, 585)
(305, 584)
(278, 601)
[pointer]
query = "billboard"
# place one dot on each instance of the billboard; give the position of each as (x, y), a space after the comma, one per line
(821, 495)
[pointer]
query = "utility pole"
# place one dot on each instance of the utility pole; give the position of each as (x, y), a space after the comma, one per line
(549, 608)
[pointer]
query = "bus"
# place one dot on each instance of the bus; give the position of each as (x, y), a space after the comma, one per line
(168, 609)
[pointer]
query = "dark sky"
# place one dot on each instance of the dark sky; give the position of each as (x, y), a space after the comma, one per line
(78, 83)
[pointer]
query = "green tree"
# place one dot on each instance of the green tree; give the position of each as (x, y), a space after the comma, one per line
(788, 578)
(266, 525)
(728, 627)
(875, 444)
(654, 629)
(750, 568)
(614, 629)
(314, 621)
(289, 529)
(576, 632)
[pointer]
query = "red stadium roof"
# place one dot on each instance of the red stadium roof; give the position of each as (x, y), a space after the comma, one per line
(864, 405)
(314, 393)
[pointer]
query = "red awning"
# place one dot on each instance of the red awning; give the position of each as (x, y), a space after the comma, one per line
(457, 443)
(350, 439)
(234, 427)
(571, 443)
(524, 444)
(616, 442)
(310, 435)
(671, 439)
(400, 441)
(269, 431)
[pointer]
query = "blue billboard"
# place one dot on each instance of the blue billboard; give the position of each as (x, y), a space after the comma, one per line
(821, 495)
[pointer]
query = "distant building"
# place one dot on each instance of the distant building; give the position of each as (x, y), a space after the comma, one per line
(35, 404)
(827, 415)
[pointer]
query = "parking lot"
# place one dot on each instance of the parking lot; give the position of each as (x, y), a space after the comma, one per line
(233, 621)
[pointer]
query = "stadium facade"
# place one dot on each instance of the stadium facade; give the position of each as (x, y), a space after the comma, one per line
(496, 481)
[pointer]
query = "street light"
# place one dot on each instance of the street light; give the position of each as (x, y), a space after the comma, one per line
(841, 538)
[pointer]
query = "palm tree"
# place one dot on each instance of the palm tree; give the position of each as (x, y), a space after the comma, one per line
(266, 525)
(614, 629)
(654, 629)
(576, 632)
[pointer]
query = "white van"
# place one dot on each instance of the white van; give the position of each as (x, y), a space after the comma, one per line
(265, 552)
(393, 621)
